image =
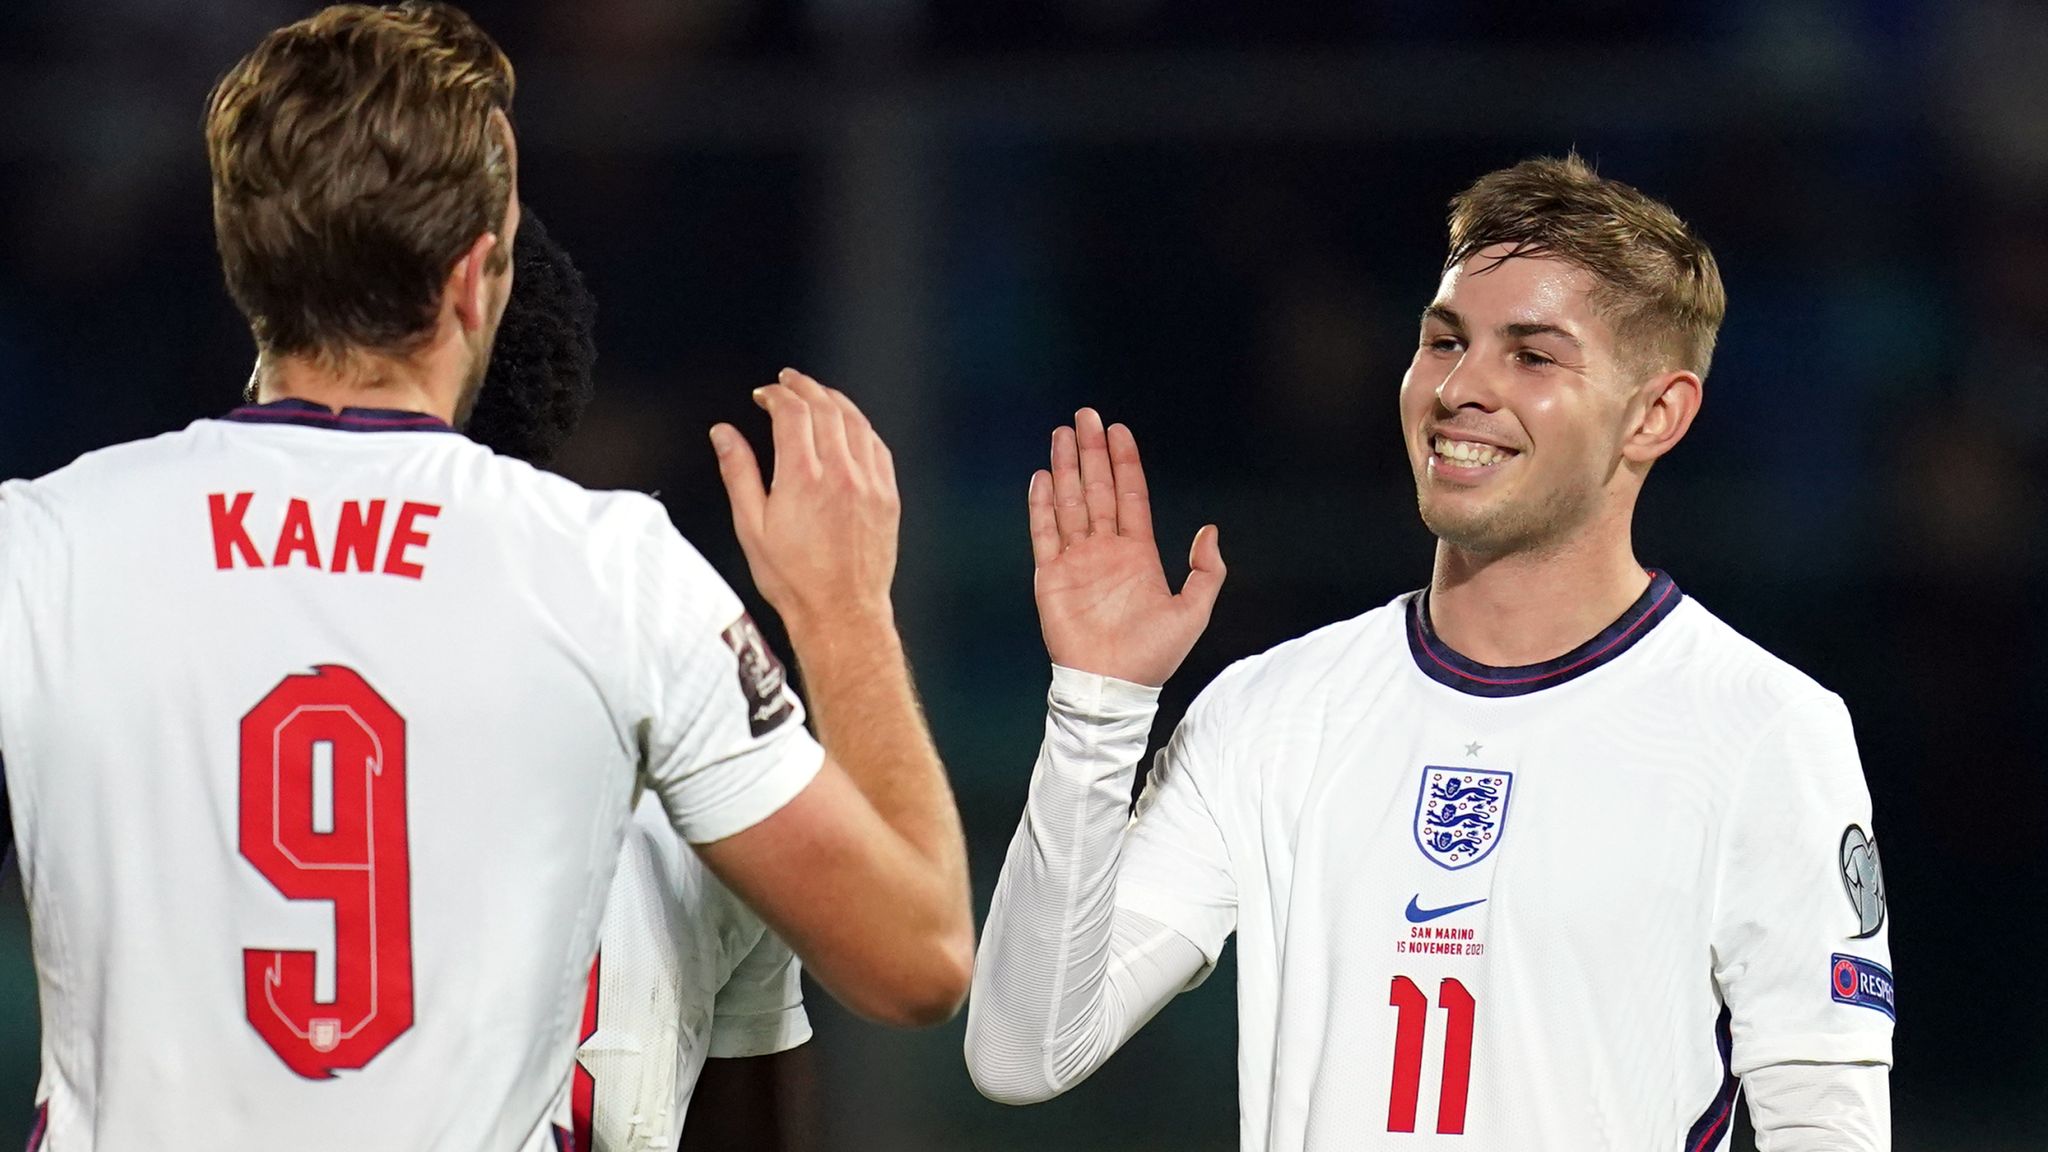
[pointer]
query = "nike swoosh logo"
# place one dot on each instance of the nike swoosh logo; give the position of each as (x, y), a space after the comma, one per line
(1417, 914)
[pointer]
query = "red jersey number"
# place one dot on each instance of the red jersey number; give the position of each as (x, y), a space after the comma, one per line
(1413, 1020)
(323, 818)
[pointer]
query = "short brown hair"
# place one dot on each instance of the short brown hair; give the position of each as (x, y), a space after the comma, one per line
(354, 160)
(1659, 286)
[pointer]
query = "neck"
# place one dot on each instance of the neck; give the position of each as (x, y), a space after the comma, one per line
(1528, 607)
(425, 383)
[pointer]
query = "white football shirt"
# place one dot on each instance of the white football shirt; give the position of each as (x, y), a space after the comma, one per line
(1559, 906)
(322, 732)
(685, 972)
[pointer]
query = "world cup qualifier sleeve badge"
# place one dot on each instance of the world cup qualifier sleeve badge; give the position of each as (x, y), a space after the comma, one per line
(762, 679)
(1461, 814)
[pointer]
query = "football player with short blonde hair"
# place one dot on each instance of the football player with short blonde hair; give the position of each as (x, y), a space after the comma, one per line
(1542, 856)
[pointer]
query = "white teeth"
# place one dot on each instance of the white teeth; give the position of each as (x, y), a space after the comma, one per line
(1470, 453)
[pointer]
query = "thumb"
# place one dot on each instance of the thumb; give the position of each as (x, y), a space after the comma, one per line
(742, 476)
(1205, 572)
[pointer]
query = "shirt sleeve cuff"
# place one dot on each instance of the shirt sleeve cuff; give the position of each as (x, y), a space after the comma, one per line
(1096, 726)
(760, 1033)
(797, 761)
(1090, 695)
(1818, 1048)
(1207, 929)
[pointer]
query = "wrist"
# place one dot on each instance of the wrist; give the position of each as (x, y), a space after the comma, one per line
(828, 639)
(1123, 667)
(1096, 726)
(1094, 695)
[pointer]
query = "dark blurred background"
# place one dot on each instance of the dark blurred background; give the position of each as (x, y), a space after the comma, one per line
(1218, 222)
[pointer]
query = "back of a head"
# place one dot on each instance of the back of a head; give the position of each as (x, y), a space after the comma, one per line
(1660, 286)
(355, 158)
(542, 363)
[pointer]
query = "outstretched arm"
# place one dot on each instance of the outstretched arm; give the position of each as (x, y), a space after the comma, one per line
(864, 873)
(1069, 969)
(1065, 976)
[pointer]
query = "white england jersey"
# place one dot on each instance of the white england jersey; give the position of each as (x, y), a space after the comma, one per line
(685, 972)
(322, 733)
(1554, 907)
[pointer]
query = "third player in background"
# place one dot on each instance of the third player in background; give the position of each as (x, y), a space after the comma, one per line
(690, 990)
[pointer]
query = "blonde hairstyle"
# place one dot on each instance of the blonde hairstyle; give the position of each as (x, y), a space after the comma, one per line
(355, 159)
(1659, 285)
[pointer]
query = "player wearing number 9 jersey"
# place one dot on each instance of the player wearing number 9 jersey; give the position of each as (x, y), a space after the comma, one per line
(1543, 856)
(322, 724)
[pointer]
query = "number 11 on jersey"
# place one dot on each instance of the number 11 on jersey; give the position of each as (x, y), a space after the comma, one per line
(1413, 1004)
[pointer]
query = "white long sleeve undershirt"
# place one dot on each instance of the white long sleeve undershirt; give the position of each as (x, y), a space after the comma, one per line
(1820, 1107)
(1064, 977)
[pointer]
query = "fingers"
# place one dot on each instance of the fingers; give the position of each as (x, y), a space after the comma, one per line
(1133, 498)
(841, 432)
(1205, 574)
(1045, 529)
(796, 453)
(885, 468)
(1097, 489)
(742, 476)
(828, 418)
(1069, 510)
(861, 439)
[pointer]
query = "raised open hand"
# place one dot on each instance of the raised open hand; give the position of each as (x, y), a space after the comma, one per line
(1103, 601)
(821, 540)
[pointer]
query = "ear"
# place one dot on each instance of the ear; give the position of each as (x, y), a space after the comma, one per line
(469, 283)
(1666, 404)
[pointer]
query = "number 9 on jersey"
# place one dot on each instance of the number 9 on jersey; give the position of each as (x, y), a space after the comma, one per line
(323, 818)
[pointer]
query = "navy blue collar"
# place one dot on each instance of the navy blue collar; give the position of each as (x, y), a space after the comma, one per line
(292, 411)
(1446, 667)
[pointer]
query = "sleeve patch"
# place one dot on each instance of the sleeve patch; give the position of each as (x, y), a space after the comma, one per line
(1863, 880)
(1854, 980)
(763, 682)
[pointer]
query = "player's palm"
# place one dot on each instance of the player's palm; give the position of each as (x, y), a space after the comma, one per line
(1103, 601)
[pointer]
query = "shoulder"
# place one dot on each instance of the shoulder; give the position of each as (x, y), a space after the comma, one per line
(1738, 706)
(129, 463)
(618, 531)
(33, 511)
(1345, 653)
(1728, 674)
(669, 596)
(536, 490)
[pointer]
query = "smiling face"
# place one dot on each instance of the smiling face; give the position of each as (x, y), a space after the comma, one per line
(1521, 415)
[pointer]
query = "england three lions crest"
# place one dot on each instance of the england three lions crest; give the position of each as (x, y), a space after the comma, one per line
(1461, 814)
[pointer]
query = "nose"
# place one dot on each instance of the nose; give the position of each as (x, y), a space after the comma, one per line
(1468, 385)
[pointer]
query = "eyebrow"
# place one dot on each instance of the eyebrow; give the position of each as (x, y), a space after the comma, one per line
(1524, 331)
(1449, 317)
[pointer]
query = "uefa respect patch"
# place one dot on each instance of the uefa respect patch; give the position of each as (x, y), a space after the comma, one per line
(1854, 980)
